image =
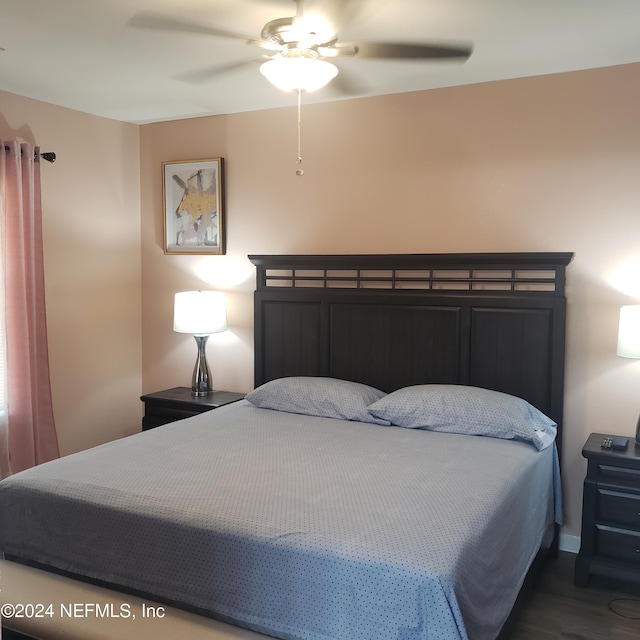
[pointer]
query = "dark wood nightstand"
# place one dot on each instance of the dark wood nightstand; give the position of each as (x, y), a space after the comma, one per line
(174, 404)
(610, 544)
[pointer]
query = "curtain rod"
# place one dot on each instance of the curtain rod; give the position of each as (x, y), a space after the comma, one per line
(49, 156)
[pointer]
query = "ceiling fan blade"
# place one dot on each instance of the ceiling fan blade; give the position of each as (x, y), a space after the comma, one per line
(334, 50)
(397, 50)
(210, 73)
(147, 20)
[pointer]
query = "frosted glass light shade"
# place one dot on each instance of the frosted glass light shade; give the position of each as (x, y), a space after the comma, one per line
(200, 312)
(298, 73)
(629, 332)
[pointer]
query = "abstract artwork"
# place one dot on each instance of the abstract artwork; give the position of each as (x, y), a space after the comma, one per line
(194, 206)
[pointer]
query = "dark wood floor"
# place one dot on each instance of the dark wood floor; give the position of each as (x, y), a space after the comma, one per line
(558, 610)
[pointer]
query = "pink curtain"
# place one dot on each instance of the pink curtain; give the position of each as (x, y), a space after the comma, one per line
(31, 434)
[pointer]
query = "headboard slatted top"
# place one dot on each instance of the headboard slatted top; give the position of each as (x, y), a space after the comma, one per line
(539, 272)
(488, 320)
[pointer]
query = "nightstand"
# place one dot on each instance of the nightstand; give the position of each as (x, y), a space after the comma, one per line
(610, 544)
(174, 404)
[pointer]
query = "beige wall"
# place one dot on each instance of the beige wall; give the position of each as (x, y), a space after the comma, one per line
(91, 219)
(537, 164)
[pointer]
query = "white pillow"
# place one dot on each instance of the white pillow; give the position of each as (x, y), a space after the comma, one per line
(466, 410)
(324, 397)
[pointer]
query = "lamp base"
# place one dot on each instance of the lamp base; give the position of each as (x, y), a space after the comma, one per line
(201, 380)
(199, 394)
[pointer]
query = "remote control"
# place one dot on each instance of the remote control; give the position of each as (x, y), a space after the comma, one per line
(607, 443)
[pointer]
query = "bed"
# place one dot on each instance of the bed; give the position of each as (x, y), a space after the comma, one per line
(325, 508)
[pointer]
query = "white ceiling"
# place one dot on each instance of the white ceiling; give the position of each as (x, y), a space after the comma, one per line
(83, 55)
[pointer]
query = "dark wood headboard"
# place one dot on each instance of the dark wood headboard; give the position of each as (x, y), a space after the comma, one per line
(488, 320)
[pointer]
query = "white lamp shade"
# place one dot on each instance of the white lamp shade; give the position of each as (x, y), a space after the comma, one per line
(298, 73)
(200, 312)
(629, 331)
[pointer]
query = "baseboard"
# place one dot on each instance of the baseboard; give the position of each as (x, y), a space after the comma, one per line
(569, 543)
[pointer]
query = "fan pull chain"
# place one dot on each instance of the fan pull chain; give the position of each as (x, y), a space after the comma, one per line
(300, 170)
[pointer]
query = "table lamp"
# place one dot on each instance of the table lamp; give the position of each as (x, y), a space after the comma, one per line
(200, 313)
(629, 339)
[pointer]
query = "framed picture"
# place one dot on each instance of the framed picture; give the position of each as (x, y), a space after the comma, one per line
(193, 199)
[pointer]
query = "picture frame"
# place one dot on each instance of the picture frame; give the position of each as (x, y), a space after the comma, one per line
(193, 205)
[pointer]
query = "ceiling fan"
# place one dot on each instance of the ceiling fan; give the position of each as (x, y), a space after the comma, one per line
(302, 48)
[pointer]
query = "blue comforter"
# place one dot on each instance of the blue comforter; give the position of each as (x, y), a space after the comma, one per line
(295, 526)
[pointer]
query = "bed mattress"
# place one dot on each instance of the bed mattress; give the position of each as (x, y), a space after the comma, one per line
(297, 526)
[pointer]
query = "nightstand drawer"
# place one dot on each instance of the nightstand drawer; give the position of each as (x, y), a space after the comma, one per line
(169, 414)
(618, 507)
(621, 544)
(618, 474)
(174, 404)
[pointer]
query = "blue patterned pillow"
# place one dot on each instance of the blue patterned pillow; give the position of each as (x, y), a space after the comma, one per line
(466, 410)
(324, 397)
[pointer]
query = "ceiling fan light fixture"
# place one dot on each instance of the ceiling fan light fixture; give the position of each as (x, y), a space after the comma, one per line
(298, 73)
